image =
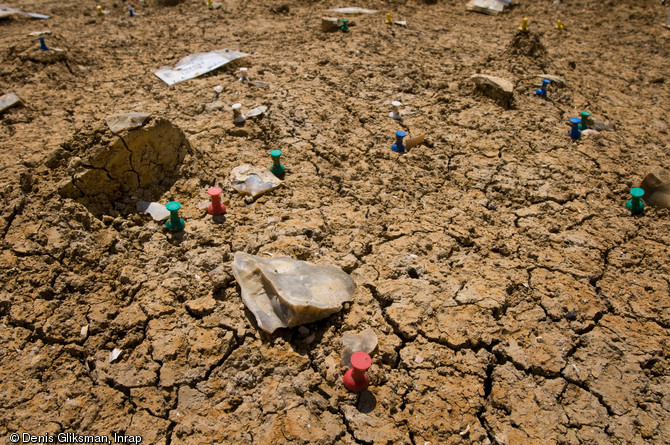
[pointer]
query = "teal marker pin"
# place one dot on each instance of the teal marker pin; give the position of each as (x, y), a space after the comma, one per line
(277, 168)
(635, 204)
(582, 124)
(175, 223)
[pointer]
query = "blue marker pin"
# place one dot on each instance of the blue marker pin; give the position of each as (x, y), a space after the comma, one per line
(635, 205)
(398, 142)
(130, 10)
(542, 91)
(42, 44)
(575, 133)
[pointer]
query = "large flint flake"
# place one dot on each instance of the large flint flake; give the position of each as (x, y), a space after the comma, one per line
(282, 292)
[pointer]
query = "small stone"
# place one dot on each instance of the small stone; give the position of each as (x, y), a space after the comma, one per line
(8, 100)
(157, 211)
(555, 80)
(571, 315)
(252, 180)
(418, 359)
(365, 341)
(125, 121)
(604, 126)
(84, 331)
(656, 186)
(115, 354)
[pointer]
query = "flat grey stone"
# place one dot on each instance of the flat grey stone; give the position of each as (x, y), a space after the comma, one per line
(8, 100)
(125, 121)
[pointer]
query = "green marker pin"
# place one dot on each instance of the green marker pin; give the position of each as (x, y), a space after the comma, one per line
(344, 27)
(175, 223)
(277, 168)
(583, 125)
(635, 205)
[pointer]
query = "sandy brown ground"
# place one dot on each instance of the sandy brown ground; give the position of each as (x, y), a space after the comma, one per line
(515, 299)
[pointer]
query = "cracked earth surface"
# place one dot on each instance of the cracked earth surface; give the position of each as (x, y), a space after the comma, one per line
(514, 297)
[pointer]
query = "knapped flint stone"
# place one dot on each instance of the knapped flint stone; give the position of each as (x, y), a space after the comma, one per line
(125, 121)
(8, 100)
(283, 292)
(656, 188)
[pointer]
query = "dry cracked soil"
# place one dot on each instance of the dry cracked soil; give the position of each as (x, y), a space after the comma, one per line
(515, 299)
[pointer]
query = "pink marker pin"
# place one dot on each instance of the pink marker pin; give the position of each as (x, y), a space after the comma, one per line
(215, 208)
(355, 379)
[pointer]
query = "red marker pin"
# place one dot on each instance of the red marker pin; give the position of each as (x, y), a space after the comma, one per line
(215, 208)
(355, 379)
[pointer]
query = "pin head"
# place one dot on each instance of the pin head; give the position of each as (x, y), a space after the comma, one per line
(214, 191)
(130, 10)
(388, 18)
(173, 206)
(559, 24)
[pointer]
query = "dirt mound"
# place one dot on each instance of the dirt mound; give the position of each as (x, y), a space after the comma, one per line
(107, 167)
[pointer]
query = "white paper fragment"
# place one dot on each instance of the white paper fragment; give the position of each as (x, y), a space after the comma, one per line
(8, 101)
(365, 341)
(114, 354)
(401, 23)
(196, 65)
(252, 180)
(6, 11)
(283, 292)
(125, 121)
(257, 111)
(465, 431)
(352, 10)
(157, 211)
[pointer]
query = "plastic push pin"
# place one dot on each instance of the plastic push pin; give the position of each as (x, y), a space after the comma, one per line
(583, 124)
(524, 25)
(175, 223)
(130, 10)
(542, 91)
(100, 11)
(277, 168)
(243, 75)
(635, 205)
(559, 25)
(42, 44)
(344, 27)
(398, 147)
(388, 19)
(355, 379)
(215, 208)
(395, 114)
(238, 117)
(574, 132)
(209, 4)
